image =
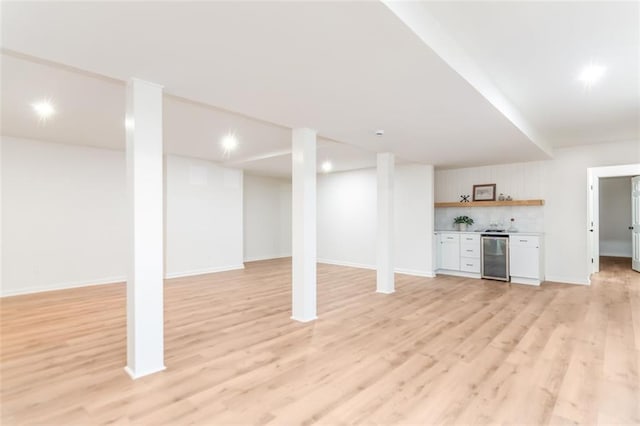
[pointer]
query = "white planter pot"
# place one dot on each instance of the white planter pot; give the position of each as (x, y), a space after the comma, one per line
(462, 227)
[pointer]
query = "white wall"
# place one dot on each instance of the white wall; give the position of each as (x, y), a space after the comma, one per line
(615, 216)
(267, 217)
(522, 181)
(566, 213)
(203, 217)
(562, 183)
(63, 216)
(414, 216)
(347, 218)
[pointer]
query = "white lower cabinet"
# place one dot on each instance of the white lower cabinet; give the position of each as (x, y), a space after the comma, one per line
(450, 251)
(459, 254)
(470, 253)
(525, 259)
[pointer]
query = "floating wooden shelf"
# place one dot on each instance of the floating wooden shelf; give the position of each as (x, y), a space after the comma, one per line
(492, 203)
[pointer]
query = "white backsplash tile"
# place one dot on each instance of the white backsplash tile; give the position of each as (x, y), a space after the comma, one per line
(527, 218)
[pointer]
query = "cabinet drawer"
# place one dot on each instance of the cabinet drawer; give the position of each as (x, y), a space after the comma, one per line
(470, 239)
(470, 250)
(450, 238)
(524, 241)
(469, 264)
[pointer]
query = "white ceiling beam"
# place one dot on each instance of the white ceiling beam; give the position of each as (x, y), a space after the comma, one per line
(429, 30)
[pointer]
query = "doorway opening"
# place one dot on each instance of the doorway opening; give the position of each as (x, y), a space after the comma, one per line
(595, 176)
(614, 263)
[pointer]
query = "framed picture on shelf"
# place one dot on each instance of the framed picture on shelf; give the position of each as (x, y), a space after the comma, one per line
(484, 192)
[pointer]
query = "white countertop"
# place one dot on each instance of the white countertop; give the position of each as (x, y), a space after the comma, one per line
(485, 232)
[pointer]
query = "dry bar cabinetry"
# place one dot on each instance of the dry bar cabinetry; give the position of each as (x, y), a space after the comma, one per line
(526, 259)
(459, 254)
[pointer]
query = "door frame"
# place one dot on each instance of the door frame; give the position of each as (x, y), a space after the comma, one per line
(594, 174)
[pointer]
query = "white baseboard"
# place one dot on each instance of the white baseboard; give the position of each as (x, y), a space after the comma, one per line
(203, 271)
(135, 375)
(567, 280)
(111, 280)
(63, 286)
(258, 258)
(413, 272)
(349, 264)
(304, 319)
(525, 281)
(616, 248)
(613, 253)
(459, 273)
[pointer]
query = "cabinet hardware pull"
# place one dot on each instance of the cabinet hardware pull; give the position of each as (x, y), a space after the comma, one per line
(523, 241)
(469, 264)
(470, 250)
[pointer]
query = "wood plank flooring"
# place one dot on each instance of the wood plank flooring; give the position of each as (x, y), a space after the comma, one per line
(438, 351)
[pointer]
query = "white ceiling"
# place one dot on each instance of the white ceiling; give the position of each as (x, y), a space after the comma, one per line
(91, 110)
(345, 69)
(534, 51)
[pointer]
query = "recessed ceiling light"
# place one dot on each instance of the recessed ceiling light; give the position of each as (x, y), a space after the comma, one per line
(591, 73)
(327, 166)
(229, 143)
(379, 132)
(44, 109)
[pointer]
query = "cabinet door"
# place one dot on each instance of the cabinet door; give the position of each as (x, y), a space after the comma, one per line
(524, 261)
(450, 252)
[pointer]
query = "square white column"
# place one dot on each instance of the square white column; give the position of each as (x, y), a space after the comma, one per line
(385, 262)
(303, 218)
(145, 322)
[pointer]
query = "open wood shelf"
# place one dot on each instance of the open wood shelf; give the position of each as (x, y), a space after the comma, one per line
(492, 203)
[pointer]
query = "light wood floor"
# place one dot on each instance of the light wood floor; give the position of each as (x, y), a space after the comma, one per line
(445, 350)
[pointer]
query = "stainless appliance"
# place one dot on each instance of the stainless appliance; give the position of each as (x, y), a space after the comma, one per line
(494, 256)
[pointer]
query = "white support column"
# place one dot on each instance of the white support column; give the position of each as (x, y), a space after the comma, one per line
(145, 322)
(385, 241)
(429, 195)
(303, 218)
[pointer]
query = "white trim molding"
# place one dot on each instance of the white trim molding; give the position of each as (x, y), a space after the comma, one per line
(259, 258)
(349, 264)
(415, 273)
(64, 286)
(567, 280)
(412, 272)
(203, 271)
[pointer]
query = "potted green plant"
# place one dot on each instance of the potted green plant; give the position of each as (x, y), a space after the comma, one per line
(463, 222)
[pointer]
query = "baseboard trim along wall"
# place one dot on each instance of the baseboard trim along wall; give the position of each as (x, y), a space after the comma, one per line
(113, 280)
(349, 264)
(259, 258)
(567, 280)
(63, 286)
(616, 248)
(203, 271)
(412, 272)
(425, 274)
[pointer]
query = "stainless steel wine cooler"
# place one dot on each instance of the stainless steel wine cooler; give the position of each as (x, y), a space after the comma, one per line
(494, 254)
